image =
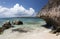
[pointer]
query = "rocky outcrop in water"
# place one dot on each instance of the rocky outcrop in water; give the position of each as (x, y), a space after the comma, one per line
(7, 25)
(51, 14)
(17, 22)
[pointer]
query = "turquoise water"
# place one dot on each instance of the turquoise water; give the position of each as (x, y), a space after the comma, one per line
(27, 22)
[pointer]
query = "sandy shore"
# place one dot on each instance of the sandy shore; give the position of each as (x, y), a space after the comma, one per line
(36, 34)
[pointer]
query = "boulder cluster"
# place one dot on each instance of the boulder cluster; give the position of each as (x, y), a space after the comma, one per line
(8, 25)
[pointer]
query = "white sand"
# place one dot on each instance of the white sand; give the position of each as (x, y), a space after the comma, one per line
(36, 34)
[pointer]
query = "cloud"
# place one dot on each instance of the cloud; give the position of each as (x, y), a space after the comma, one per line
(16, 11)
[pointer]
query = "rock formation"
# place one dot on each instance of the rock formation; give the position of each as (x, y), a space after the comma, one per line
(17, 22)
(51, 14)
(6, 25)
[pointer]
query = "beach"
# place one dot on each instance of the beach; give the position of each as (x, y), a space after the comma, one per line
(35, 34)
(34, 30)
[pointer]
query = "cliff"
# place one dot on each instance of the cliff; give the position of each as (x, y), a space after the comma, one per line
(51, 14)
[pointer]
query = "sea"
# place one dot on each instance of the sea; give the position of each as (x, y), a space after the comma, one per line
(27, 21)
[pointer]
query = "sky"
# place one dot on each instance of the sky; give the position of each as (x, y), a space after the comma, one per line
(21, 8)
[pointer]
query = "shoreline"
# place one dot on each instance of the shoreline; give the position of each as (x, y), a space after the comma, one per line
(35, 34)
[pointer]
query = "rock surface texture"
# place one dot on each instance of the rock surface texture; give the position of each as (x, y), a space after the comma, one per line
(51, 14)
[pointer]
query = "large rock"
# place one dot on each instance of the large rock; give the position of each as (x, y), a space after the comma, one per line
(6, 25)
(17, 22)
(51, 14)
